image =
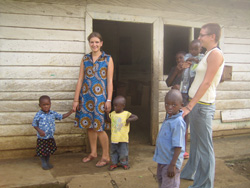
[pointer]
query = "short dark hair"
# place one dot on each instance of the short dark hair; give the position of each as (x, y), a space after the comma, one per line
(174, 93)
(195, 41)
(95, 34)
(120, 98)
(43, 97)
(181, 52)
(213, 28)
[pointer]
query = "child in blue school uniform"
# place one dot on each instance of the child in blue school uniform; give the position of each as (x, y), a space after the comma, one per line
(170, 143)
(44, 123)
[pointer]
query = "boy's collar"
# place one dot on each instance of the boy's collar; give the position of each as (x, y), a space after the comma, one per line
(176, 115)
(44, 112)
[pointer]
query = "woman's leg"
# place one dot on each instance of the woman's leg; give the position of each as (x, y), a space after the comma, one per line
(92, 134)
(189, 169)
(204, 177)
(104, 140)
(186, 119)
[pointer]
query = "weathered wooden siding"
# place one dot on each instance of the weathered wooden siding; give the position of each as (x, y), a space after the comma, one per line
(41, 46)
(42, 43)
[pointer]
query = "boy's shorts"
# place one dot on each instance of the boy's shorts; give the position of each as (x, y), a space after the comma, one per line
(165, 181)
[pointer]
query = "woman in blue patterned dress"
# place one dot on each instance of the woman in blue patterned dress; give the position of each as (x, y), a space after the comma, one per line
(93, 96)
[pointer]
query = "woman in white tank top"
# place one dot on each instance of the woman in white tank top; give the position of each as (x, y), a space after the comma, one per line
(201, 164)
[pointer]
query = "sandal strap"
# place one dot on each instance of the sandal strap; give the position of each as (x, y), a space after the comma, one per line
(112, 167)
(89, 158)
(125, 167)
(104, 160)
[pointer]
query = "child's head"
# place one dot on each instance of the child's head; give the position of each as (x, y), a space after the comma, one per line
(119, 104)
(173, 102)
(179, 57)
(195, 47)
(44, 103)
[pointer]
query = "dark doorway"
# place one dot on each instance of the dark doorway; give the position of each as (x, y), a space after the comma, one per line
(176, 38)
(130, 45)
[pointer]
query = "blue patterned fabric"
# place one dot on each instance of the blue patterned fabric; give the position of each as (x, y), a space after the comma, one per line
(46, 122)
(93, 94)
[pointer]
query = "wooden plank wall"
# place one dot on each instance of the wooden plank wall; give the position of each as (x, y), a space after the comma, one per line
(41, 46)
(42, 43)
(233, 97)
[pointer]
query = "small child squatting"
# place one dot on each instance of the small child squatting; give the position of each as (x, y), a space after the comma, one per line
(120, 125)
(170, 143)
(44, 123)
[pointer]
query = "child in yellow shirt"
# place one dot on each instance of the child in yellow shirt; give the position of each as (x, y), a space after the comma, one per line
(120, 125)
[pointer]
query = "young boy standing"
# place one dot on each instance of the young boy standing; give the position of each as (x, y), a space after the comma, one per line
(120, 125)
(44, 123)
(170, 144)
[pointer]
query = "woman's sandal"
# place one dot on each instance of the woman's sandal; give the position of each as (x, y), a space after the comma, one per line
(112, 167)
(125, 167)
(102, 163)
(88, 158)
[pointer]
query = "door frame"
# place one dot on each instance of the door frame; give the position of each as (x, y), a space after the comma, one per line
(157, 55)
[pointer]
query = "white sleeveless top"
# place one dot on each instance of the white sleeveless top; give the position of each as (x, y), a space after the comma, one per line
(209, 96)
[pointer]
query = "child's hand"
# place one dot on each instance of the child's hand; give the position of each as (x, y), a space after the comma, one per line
(132, 117)
(75, 106)
(176, 87)
(41, 133)
(179, 66)
(187, 64)
(171, 170)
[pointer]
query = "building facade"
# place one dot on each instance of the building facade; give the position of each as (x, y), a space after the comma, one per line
(42, 43)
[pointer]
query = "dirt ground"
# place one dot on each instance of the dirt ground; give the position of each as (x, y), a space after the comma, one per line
(241, 166)
(70, 172)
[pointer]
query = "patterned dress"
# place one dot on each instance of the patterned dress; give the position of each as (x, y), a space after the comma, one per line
(93, 94)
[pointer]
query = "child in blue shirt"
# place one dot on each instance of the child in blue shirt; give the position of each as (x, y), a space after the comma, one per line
(44, 123)
(170, 143)
(194, 57)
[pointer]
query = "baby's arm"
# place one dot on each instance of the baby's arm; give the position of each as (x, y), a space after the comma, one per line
(67, 114)
(177, 86)
(172, 165)
(108, 118)
(196, 60)
(41, 132)
(132, 117)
